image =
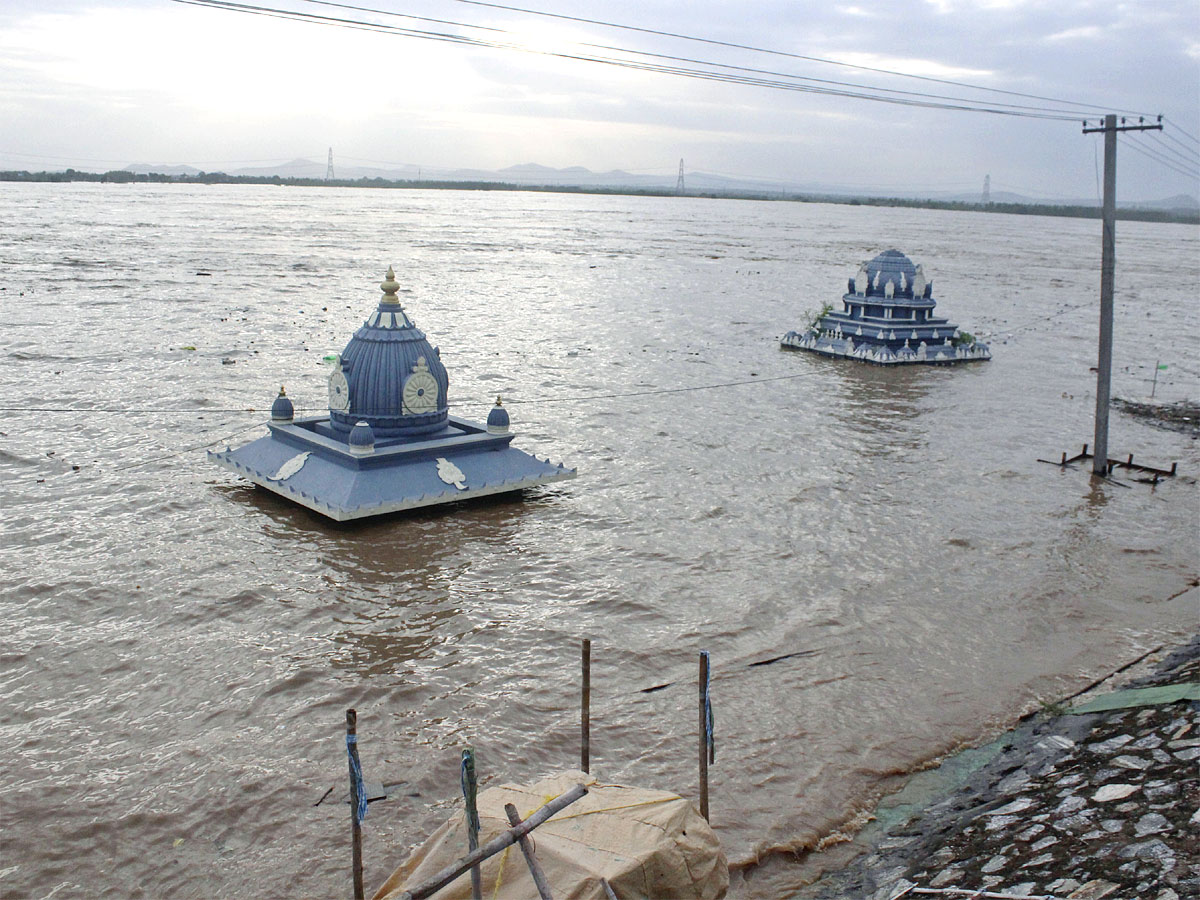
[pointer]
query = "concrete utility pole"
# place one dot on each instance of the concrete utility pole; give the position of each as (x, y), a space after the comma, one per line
(1107, 268)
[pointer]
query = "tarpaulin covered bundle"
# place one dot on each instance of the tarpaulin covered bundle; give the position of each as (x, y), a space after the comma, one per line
(645, 843)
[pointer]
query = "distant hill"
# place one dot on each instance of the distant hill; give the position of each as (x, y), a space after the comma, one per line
(536, 175)
(147, 169)
(1180, 202)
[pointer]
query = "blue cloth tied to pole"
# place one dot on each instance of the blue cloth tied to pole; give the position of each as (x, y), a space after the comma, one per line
(469, 788)
(709, 723)
(360, 812)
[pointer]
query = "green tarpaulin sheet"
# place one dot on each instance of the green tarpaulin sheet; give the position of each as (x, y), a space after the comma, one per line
(1151, 696)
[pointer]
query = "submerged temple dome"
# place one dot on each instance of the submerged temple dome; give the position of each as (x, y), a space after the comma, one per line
(389, 376)
(388, 442)
(887, 319)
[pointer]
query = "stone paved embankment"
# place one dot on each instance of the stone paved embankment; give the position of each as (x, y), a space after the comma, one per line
(1102, 804)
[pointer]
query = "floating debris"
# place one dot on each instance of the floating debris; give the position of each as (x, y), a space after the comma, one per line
(1182, 416)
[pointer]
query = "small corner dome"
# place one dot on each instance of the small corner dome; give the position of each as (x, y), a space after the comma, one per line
(497, 420)
(282, 409)
(361, 437)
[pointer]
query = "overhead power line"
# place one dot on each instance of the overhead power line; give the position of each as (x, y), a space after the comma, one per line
(1174, 140)
(83, 159)
(736, 46)
(63, 158)
(691, 61)
(510, 401)
(1145, 151)
(1166, 153)
(1171, 153)
(399, 15)
(877, 94)
(1178, 148)
(1190, 137)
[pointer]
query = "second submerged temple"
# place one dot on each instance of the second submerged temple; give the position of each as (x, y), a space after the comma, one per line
(887, 319)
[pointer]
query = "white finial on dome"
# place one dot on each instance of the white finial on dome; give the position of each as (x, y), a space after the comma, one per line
(390, 286)
(889, 290)
(919, 283)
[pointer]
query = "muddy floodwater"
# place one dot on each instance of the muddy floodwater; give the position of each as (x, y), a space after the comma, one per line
(179, 648)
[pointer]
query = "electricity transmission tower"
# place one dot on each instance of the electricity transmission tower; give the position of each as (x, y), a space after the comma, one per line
(1107, 268)
(679, 183)
(329, 167)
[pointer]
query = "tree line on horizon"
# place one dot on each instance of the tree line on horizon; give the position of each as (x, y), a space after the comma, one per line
(124, 176)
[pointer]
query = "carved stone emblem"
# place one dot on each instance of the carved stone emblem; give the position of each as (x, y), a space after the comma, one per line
(450, 473)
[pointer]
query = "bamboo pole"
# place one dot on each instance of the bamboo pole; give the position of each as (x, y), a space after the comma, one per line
(585, 714)
(470, 788)
(539, 877)
(494, 846)
(703, 736)
(972, 894)
(355, 825)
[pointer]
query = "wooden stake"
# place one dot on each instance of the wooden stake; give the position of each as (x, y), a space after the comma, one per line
(703, 738)
(585, 713)
(355, 826)
(539, 877)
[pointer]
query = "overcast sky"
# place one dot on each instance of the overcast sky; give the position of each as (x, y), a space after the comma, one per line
(100, 85)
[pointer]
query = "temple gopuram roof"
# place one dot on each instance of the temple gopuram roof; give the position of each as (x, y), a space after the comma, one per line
(887, 319)
(388, 442)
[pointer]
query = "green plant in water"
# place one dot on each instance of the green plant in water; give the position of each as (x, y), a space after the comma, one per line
(1053, 708)
(818, 316)
(963, 339)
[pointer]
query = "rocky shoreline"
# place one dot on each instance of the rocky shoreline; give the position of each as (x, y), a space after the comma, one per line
(1096, 800)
